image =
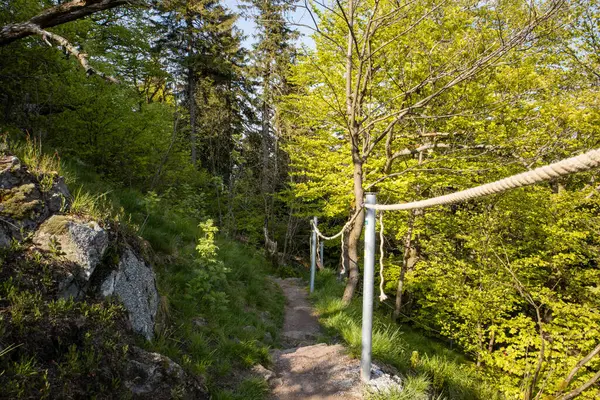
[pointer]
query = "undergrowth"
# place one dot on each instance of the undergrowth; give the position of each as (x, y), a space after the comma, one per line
(430, 370)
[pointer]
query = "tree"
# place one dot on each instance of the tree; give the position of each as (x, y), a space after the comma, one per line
(441, 46)
(272, 56)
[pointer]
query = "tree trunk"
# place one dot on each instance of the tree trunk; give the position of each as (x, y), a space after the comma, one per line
(355, 231)
(191, 83)
(357, 161)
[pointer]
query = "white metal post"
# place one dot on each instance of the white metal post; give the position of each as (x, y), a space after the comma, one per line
(368, 288)
(313, 256)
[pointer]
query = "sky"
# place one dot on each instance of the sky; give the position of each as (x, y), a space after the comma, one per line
(300, 16)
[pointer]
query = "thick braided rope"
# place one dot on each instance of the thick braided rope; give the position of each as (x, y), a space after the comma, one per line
(584, 162)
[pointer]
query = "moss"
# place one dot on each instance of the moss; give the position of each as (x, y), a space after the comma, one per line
(56, 225)
(15, 201)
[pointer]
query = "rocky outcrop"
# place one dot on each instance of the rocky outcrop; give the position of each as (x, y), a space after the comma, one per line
(64, 255)
(134, 284)
(31, 204)
(155, 377)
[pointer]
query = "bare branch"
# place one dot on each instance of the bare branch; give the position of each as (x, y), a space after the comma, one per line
(57, 15)
(69, 48)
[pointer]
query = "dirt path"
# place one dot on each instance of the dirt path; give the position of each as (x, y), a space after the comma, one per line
(306, 370)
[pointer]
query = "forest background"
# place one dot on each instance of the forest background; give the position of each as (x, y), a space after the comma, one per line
(411, 99)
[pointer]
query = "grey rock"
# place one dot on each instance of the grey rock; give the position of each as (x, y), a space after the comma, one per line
(263, 372)
(58, 199)
(154, 376)
(199, 322)
(21, 206)
(265, 316)
(133, 282)
(268, 338)
(382, 382)
(10, 172)
(5, 237)
(81, 242)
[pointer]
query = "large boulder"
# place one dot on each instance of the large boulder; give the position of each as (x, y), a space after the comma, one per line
(76, 239)
(31, 203)
(153, 376)
(133, 282)
(81, 242)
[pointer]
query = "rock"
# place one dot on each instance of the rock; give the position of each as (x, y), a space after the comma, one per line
(265, 316)
(21, 201)
(26, 199)
(263, 372)
(276, 382)
(58, 198)
(249, 329)
(299, 336)
(5, 237)
(133, 282)
(268, 338)
(11, 172)
(81, 242)
(382, 382)
(154, 376)
(199, 322)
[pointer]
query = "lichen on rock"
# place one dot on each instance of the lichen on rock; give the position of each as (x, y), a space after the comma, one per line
(133, 282)
(77, 240)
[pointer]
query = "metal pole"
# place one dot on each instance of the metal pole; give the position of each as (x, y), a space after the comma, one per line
(368, 284)
(321, 253)
(313, 257)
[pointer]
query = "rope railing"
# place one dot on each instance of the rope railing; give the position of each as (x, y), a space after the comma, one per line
(583, 162)
(339, 234)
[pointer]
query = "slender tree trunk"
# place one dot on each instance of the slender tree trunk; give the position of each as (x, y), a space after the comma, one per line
(265, 178)
(289, 233)
(355, 231)
(191, 88)
(357, 161)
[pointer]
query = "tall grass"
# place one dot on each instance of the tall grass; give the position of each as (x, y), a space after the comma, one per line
(430, 370)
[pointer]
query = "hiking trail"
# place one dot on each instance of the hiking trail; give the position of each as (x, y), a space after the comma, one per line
(305, 369)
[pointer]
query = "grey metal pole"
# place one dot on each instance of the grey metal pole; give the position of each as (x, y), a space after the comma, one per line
(322, 253)
(368, 288)
(313, 257)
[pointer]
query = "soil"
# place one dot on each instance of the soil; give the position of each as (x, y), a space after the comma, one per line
(305, 369)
